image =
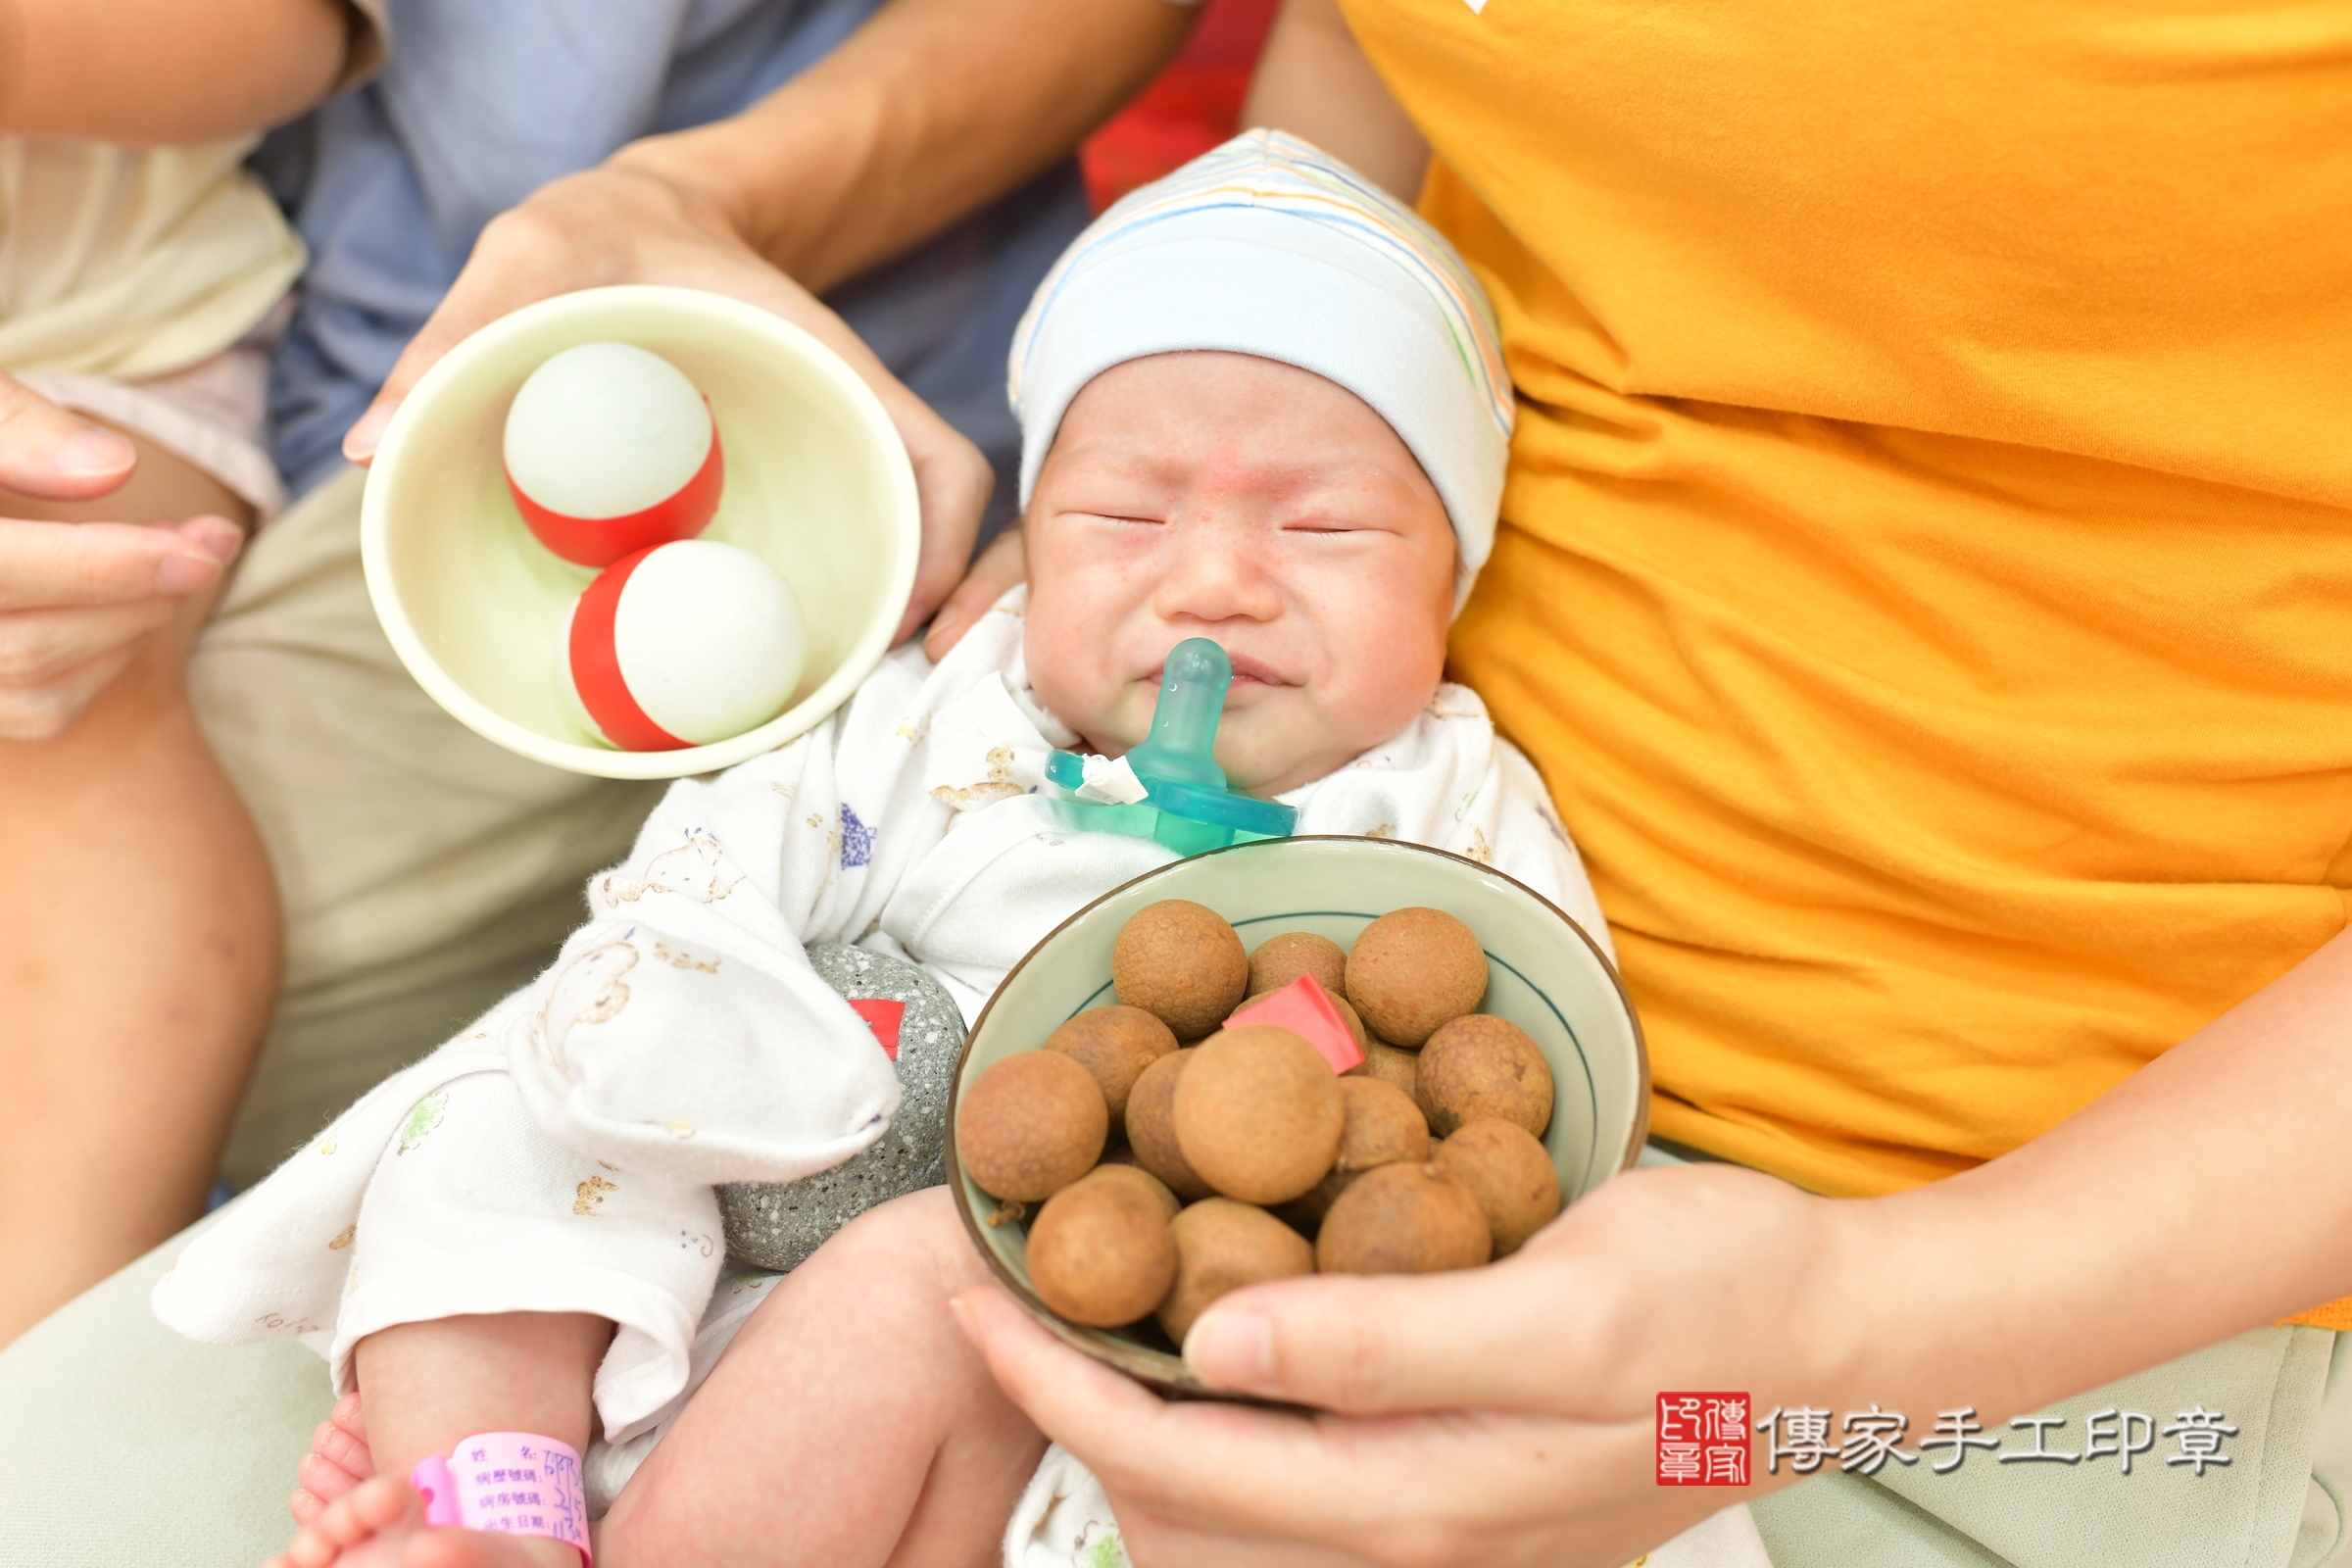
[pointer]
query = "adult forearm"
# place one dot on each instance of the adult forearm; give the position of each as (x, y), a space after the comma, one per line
(159, 71)
(932, 109)
(1314, 81)
(2208, 1193)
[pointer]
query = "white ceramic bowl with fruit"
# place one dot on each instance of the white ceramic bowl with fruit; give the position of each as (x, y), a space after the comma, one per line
(816, 484)
(1543, 977)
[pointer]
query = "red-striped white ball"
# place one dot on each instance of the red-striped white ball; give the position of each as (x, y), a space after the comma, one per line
(684, 643)
(611, 450)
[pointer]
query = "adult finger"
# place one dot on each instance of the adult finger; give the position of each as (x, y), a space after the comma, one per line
(996, 569)
(46, 452)
(1366, 1489)
(63, 564)
(1472, 1338)
(44, 711)
(41, 646)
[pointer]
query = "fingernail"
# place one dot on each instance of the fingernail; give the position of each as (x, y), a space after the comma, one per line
(180, 575)
(362, 439)
(219, 537)
(93, 452)
(1235, 1348)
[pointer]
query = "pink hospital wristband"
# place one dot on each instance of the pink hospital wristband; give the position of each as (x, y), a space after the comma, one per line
(515, 1482)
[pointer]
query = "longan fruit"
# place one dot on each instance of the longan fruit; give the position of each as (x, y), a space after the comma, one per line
(1115, 1044)
(1281, 960)
(1414, 970)
(1144, 1182)
(1352, 1019)
(1258, 1113)
(1152, 1126)
(1181, 961)
(1484, 1066)
(1383, 1128)
(1389, 1064)
(1100, 1252)
(1511, 1175)
(1222, 1246)
(1403, 1219)
(1030, 1125)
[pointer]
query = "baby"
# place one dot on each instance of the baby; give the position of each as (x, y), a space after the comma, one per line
(1262, 402)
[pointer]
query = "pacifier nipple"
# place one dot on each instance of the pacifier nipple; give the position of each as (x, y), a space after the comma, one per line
(1181, 745)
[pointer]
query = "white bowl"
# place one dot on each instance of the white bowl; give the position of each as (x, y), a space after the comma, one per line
(817, 484)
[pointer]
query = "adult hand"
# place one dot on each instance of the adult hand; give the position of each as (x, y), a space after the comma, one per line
(1492, 1416)
(1001, 564)
(77, 599)
(632, 220)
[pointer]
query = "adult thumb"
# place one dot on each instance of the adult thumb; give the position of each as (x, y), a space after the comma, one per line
(46, 452)
(1495, 1339)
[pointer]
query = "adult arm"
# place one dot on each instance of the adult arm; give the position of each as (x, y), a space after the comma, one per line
(1312, 81)
(1504, 1416)
(163, 72)
(78, 598)
(928, 112)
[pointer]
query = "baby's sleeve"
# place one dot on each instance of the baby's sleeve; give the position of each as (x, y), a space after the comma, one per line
(1531, 845)
(681, 1032)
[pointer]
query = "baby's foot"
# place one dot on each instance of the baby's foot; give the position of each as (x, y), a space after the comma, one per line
(338, 1460)
(380, 1524)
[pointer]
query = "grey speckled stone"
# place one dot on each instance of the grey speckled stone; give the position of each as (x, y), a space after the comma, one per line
(775, 1226)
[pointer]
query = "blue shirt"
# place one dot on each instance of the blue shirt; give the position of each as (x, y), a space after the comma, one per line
(483, 101)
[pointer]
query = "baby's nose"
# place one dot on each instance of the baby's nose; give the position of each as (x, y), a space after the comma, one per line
(1218, 570)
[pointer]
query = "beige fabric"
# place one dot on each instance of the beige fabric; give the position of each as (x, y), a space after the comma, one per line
(123, 1444)
(214, 414)
(425, 871)
(2273, 1506)
(133, 261)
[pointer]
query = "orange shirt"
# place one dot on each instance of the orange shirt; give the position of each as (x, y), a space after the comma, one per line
(1926, 574)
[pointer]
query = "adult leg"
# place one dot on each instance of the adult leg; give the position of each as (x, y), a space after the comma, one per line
(425, 872)
(851, 1423)
(143, 952)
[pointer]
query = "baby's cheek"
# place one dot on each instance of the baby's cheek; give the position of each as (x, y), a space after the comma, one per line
(1066, 668)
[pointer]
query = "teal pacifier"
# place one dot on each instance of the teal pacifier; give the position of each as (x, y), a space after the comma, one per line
(1184, 803)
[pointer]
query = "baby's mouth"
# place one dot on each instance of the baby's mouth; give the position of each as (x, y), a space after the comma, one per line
(1245, 669)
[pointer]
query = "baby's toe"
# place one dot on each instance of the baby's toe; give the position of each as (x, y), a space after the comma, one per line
(339, 1444)
(323, 1479)
(471, 1548)
(367, 1510)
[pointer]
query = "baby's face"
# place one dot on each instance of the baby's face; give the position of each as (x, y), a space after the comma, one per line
(1259, 505)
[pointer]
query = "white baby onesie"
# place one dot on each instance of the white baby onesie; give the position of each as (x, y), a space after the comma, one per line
(559, 1155)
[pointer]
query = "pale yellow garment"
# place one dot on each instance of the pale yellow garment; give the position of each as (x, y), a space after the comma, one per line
(1926, 571)
(133, 261)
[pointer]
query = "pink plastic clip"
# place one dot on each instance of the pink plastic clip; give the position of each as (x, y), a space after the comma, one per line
(1305, 1008)
(515, 1482)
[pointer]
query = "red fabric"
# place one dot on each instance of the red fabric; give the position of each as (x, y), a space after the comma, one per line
(883, 1019)
(1305, 1008)
(1190, 107)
